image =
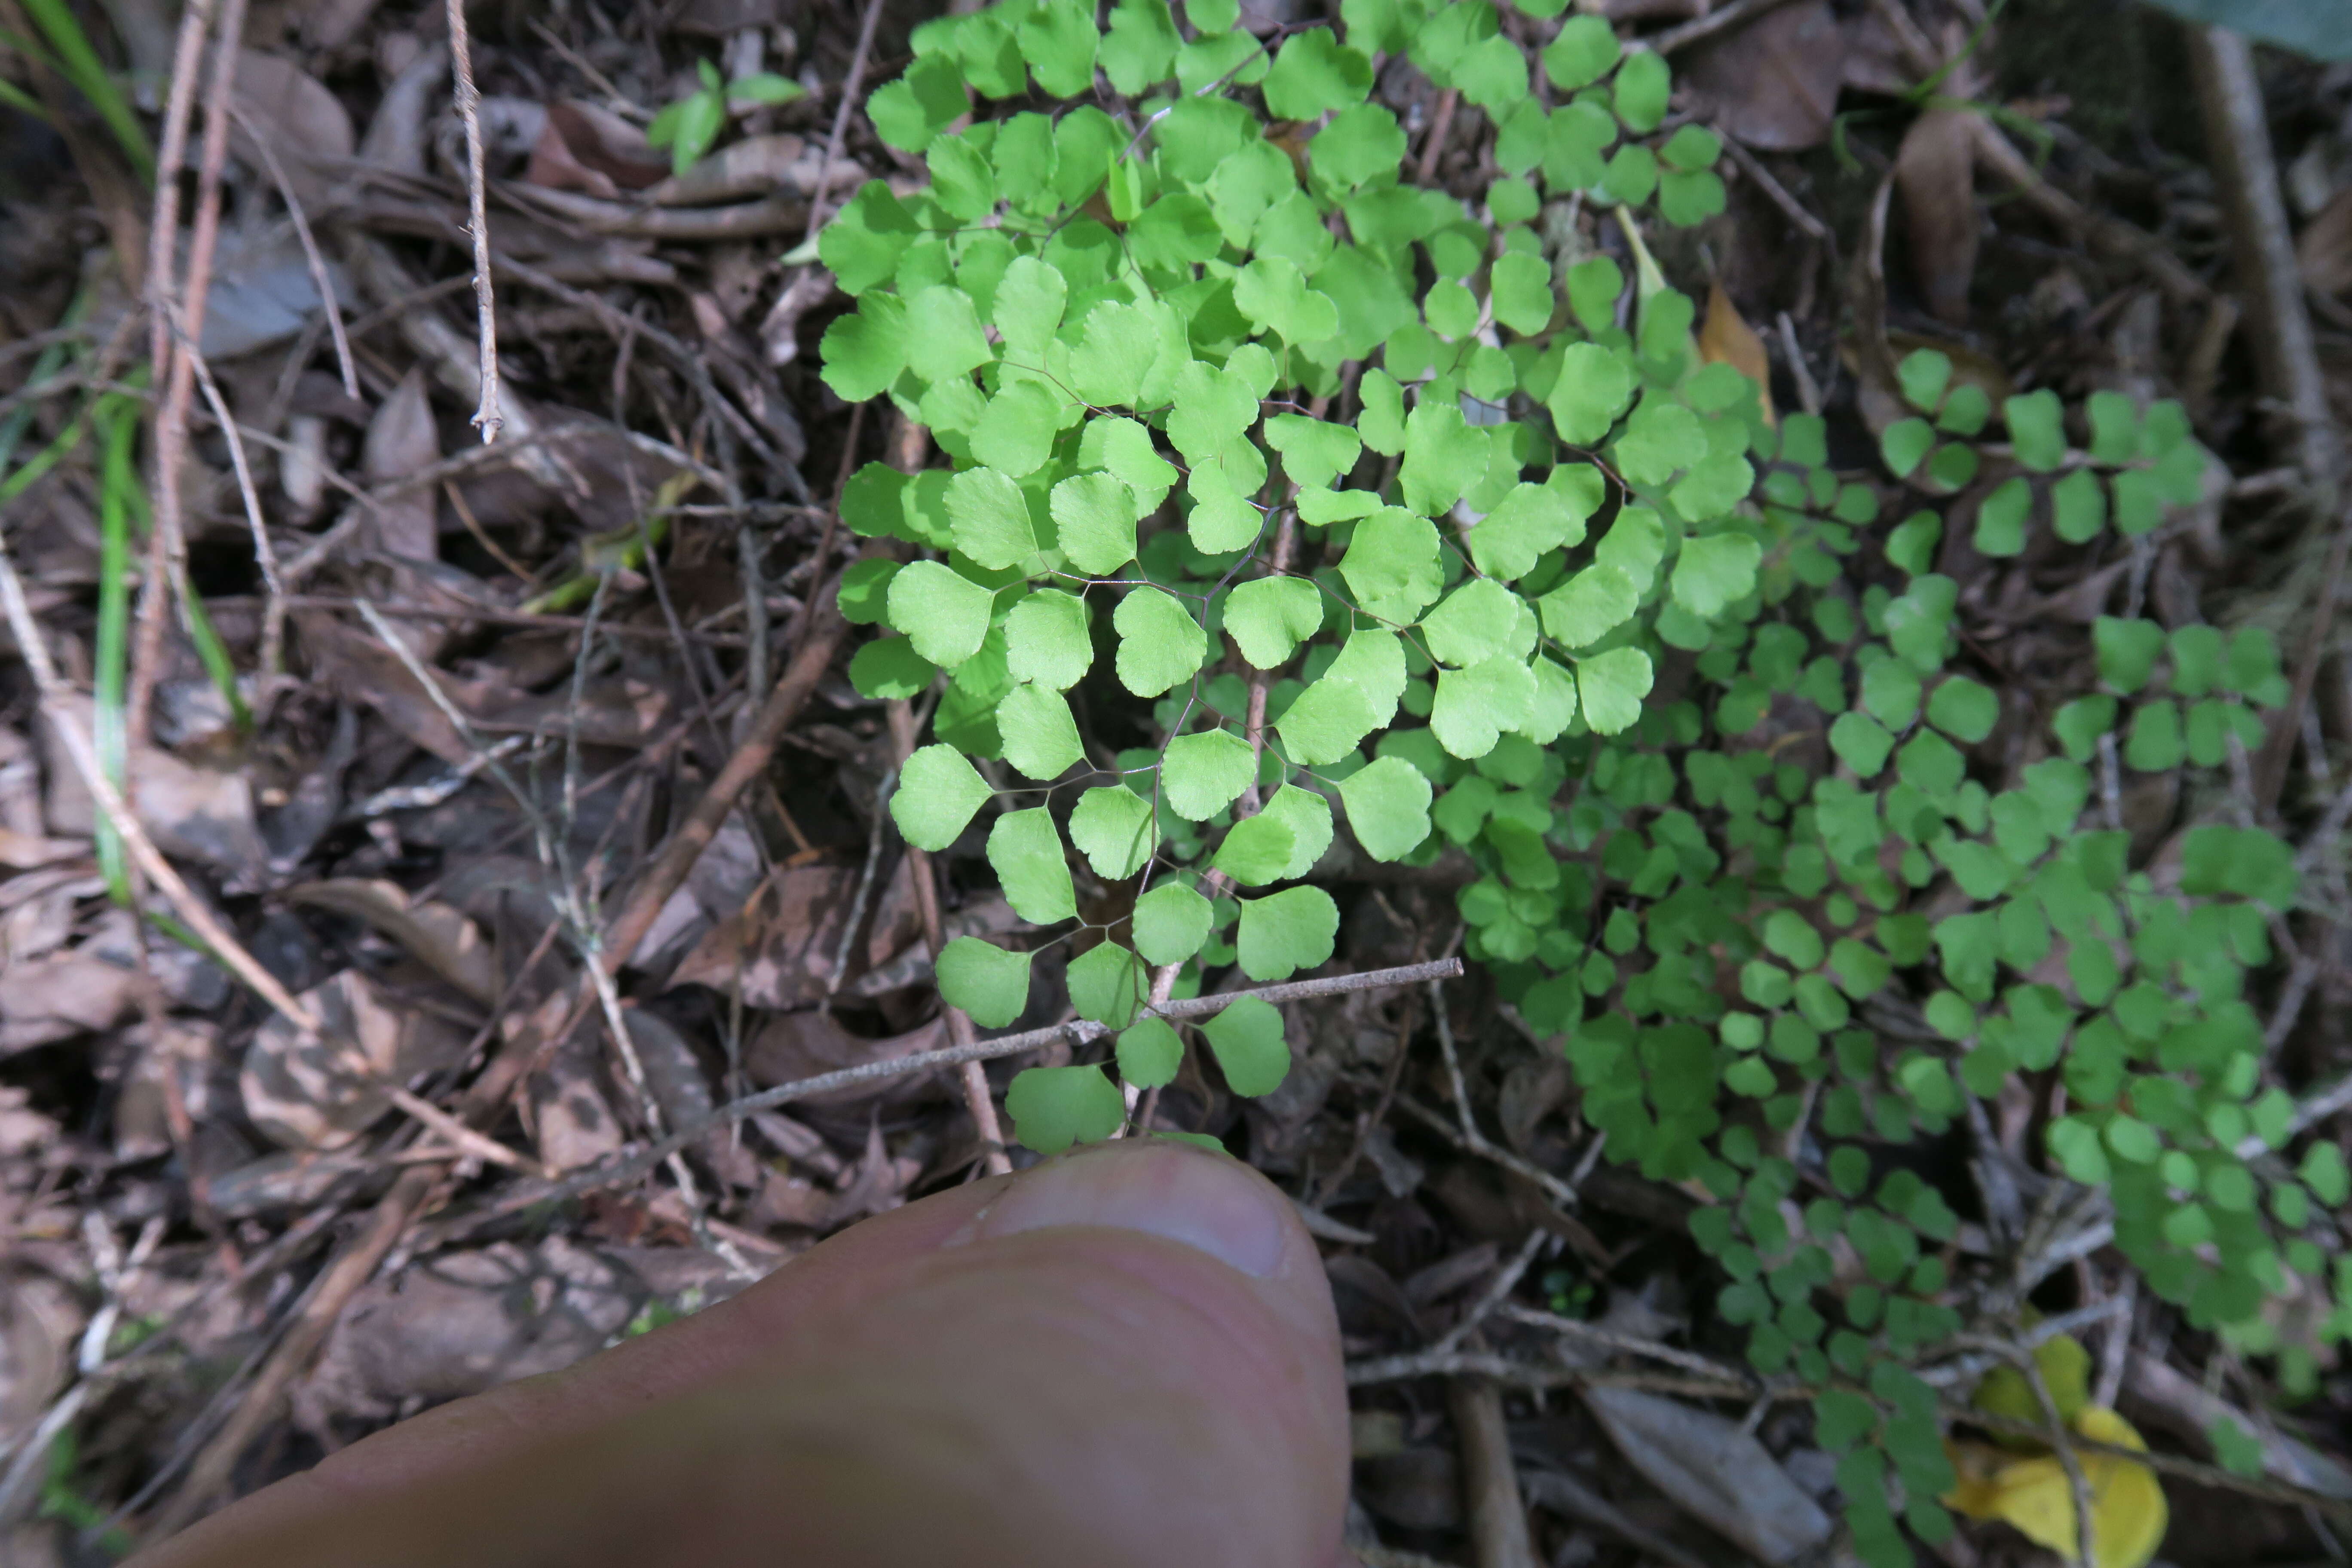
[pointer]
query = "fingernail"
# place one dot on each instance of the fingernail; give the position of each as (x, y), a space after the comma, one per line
(1204, 1201)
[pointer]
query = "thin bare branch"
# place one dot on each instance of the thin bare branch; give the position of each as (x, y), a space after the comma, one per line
(320, 276)
(1078, 1032)
(1711, 23)
(832, 143)
(487, 417)
(174, 374)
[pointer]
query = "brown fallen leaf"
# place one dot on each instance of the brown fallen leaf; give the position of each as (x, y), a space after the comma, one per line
(1936, 170)
(39, 1321)
(1420, 1489)
(880, 1180)
(779, 948)
(787, 1201)
(1715, 1469)
(1726, 338)
(293, 1180)
(362, 670)
(722, 883)
(205, 814)
(680, 1086)
(395, 137)
(571, 1120)
(170, 1056)
(434, 935)
(402, 439)
(302, 123)
(332, 24)
(37, 910)
(755, 166)
(1970, 366)
(988, 917)
(26, 851)
(324, 1093)
(626, 712)
(1874, 56)
(725, 18)
(789, 1045)
(1772, 84)
(593, 151)
(563, 255)
(20, 785)
(1530, 1091)
(64, 995)
(463, 1323)
(783, 213)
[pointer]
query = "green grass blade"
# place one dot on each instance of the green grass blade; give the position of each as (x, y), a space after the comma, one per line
(214, 654)
(48, 458)
(87, 73)
(17, 97)
(118, 418)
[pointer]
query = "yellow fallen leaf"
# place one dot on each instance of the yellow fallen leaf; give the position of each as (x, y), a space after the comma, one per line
(1724, 337)
(2127, 1507)
(2066, 1368)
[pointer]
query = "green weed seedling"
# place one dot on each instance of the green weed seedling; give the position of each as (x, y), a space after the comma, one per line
(690, 127)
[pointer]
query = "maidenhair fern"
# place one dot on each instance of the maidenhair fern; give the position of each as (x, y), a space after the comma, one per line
(1450, 608)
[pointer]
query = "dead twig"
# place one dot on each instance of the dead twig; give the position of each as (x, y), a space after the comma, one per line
(337, 1284)
(724, 415)
(2114, 1347)
(1528, 1374)
(265, 556)
(2308, 1112)
(2245, 178)
(1078, 1032)
(2062, 1440)
(192, 910)
(1712, 23)
(833, 142)
(875, 838)
(330, 307)
(751, 757)
(2101, 231)
(1505, 1281)
(2293, 1470)
(1791, 208)
(1564, 1494)
(487, 417)
(1470, 1137)
(1432, 147)
(183, 316)
(778, 214)
(1561, 1192)
(223, 1452)
(2162, 1463)
(1490, 1486)
(163, 226)
(1579, 1332)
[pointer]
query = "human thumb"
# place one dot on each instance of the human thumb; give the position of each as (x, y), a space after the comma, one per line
(1125, 1356)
